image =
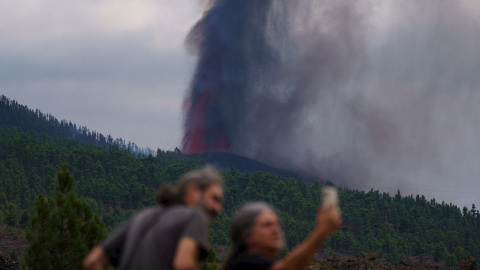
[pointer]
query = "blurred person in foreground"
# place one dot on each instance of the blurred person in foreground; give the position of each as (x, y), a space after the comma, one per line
(173, 235)
(257, 238)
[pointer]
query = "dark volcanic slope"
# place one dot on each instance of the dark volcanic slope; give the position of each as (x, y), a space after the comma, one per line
(226, 160)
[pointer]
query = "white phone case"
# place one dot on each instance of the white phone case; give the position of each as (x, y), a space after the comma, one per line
(329, 196)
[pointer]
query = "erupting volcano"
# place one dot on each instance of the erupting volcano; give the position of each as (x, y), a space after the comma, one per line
(380, 94)
(217, 97)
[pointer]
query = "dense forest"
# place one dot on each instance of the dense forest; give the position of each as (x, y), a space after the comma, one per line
(14, 114)
(117, 183)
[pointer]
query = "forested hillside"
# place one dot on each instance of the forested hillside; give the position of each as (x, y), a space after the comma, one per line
(14, 114)
(111, 179)
(116, 184)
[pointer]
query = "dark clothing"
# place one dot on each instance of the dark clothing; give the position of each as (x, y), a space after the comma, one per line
(149, 239)
(250, 261)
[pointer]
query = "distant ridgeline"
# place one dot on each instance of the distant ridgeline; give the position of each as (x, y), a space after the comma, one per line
(14, 114)
(116, 184)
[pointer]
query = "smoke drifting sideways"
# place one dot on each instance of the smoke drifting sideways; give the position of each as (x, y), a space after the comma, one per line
(367, 94)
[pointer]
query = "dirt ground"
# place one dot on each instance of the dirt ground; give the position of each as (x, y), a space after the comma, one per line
(12, 239)
(369, 261)
(7, 264)
(366, 262)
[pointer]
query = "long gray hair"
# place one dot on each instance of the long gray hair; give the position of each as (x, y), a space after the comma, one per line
(242, 225)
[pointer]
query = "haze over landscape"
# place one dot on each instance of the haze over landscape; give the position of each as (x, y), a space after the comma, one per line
(377, 94)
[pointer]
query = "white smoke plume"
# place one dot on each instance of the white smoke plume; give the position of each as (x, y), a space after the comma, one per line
(368, 94)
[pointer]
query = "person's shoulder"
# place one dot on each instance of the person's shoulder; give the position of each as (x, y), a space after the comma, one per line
(153, 210)
(144, 216)
(185, 211)
(187, 215)
(179, 210)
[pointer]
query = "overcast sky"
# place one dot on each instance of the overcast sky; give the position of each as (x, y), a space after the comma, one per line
(120, 67)
(116, 66)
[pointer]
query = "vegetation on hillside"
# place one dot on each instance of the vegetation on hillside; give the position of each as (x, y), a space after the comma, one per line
(14, 114)
(63, 228)
(116, 183)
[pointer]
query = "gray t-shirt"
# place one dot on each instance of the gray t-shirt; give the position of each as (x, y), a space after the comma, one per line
(149, 239)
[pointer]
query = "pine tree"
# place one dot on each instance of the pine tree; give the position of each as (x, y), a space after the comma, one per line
(210, 262)
(451, 260)
(11, 216)
(63, 228)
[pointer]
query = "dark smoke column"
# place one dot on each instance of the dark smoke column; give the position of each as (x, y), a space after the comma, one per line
(216, 101)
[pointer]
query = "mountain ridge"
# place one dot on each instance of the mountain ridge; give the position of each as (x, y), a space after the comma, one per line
(14, 114)
(244, 164)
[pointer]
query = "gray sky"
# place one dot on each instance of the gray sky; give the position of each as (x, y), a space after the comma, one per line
(116, 66)
(120, 67)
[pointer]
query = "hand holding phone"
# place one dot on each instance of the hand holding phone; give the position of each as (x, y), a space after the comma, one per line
(329, 197)
(330, 216)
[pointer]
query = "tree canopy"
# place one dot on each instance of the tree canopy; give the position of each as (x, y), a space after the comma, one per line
(116, 183)
(63, 228)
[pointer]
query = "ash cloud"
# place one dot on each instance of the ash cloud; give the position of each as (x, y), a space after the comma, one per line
(367, 94)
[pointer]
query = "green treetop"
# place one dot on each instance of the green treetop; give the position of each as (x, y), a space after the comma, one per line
(63, 228)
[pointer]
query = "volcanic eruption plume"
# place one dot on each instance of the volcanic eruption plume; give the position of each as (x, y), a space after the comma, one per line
(218, 95)
(368, 93)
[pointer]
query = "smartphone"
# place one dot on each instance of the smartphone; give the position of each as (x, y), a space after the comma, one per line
(329, 196)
